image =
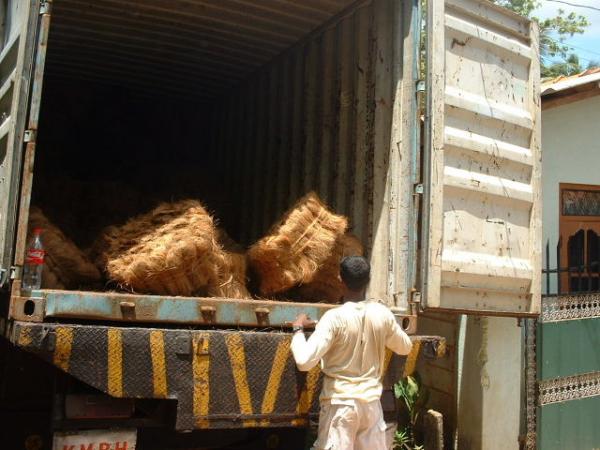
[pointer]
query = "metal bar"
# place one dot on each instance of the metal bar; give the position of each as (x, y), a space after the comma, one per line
(548, 267)
(182, 310)
(559, 275)
(589, 275)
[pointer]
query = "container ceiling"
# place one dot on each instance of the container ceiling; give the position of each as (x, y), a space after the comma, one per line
(196, 48)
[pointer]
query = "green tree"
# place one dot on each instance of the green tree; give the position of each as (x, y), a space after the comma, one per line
(557, 57)
(593, 64)
(570, 66)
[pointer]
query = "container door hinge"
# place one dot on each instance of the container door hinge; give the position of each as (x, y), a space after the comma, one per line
(29, 136)
(421, 86)
(45, 7)
(415, 301)
(419, 188)
(9, 274)
(15, 272)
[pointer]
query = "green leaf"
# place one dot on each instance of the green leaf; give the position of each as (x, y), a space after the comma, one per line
(556, 55)
(399, 390)
(412, 388)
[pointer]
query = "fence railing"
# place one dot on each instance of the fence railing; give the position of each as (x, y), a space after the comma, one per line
(580, 277)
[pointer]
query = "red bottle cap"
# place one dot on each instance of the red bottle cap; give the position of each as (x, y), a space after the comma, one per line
(38, 230)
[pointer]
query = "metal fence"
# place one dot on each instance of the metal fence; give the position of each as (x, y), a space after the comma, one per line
(574, 270)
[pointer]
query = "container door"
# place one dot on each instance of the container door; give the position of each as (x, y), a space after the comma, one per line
(481, 228)
(19, 20)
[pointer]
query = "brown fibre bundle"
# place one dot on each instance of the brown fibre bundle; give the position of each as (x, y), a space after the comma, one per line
(65, 266)
(327, 285)
(297, 246)
(232, 276)
(172, 250)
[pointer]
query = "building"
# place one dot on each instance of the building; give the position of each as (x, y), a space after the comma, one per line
(568, 334)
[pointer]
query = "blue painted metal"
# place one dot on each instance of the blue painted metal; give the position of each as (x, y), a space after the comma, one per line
(152, 308)
(413, 237)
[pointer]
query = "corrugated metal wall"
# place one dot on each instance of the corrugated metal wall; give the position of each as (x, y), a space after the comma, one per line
(320, 117)
(482, 177)
(186, 48)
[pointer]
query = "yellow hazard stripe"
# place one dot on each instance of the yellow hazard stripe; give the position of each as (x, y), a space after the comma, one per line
(201, 366)
(25, 338)
(159, 367)
(411, 359)
(279, 363)
(237, 355)
(62, 350)
(308, 393)
(115, 362)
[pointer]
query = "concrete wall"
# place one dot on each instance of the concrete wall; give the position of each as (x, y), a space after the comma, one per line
(440, 375)
(570, 154)
(489, 385)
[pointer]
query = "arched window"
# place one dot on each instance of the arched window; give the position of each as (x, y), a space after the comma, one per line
(576, 250)
(580, 238)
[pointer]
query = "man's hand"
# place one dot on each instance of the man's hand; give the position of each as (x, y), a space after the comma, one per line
(302, 320)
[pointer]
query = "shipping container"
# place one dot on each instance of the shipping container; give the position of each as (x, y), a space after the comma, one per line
(247, 106)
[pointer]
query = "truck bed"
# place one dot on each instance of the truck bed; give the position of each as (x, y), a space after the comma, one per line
(219, 378)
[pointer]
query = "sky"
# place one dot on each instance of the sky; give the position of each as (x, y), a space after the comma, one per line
(586, 46)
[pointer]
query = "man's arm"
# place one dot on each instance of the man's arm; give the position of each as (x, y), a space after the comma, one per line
(397, 340)
(308, 353)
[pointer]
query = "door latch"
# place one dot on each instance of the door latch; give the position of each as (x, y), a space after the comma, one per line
(29, 136)
(45, 7)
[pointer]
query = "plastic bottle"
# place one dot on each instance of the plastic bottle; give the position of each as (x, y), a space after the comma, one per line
(34, 262)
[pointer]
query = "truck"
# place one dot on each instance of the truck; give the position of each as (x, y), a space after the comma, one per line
(419, 121)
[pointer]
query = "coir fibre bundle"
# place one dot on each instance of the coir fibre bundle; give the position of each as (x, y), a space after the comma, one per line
(172, 250)
(297, 246)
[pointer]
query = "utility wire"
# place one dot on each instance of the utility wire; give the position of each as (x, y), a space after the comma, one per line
(575, 5)
(583, 49)
(573, 47)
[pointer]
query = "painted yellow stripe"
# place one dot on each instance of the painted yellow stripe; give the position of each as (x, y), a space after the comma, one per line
(62, 350)
(411, 359)
(115, 362)
(159, 367)
(386, 361)
(279, 363)
(201, 366)
(237, 356)
(308, 393)
(299, 422)
(25, 338)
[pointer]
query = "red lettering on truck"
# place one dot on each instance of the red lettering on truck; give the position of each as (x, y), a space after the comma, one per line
(104, 446)
(118, 445)
(70, 447)
(89, 447)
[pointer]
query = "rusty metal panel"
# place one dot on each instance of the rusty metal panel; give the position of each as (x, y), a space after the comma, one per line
(220, 379)
(20, 23)
(37, 83)
(483, 228)
(323, 121)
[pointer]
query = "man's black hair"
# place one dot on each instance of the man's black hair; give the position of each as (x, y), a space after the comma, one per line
(355, 272)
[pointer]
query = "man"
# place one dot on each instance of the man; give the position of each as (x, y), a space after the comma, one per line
(350, 343)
